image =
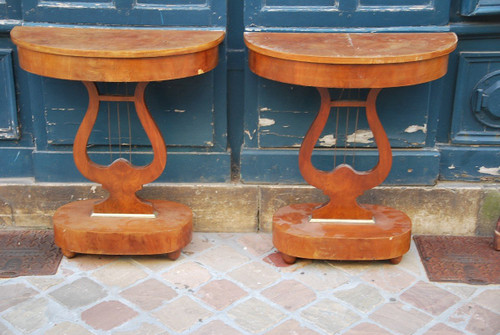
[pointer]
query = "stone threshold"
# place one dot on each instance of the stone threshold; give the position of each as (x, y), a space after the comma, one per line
(443, 209)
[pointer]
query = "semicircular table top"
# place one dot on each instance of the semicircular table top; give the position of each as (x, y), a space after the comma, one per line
(111, 54)
(350, 59)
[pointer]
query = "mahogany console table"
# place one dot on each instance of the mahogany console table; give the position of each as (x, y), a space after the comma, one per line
(342, 229)
(121, 224)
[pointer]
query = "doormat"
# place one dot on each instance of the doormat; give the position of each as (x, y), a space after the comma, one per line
(459, 259)
(28, 253)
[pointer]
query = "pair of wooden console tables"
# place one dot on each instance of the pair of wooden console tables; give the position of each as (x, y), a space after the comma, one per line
(341, 229)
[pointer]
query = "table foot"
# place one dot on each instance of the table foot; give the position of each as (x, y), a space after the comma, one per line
(496, 239)
(67, 253)
(396, 260)
(288, 259)
(174, 255)
(77, 230)
(294, 235)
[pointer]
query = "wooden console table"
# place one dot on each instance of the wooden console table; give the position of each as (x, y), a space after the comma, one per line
(121, 224)
(342, 229)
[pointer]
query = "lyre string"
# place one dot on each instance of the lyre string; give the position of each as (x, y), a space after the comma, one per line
(110, 142)
(129, 128)
(355, 131)
(337, 111)
(119, 123)
(347, 126)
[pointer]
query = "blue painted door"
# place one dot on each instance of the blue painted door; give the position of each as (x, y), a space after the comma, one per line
(190, 112)
(232, 125)
(416, 118)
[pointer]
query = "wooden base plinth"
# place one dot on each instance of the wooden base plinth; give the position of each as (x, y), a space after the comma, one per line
(76, 231)
(295, 236)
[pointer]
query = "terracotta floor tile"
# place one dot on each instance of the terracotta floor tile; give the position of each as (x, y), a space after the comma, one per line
(442, 329)
(330, 316)
(189, 275)
(389, 278)
(363, 297)
(149, 294)
(367, 329)
(199, 243)
(256, 244)
(479, 320)
(68, 328)
(228, 284)
(254, 315)
(291, 327)
(181, 314)
(223, 258)
(121, 273)
(321, 276)
(400, 318)
(255, 275)
(29, 316)
(429, 298)
(489, 299)
(13, 294)
(220, 293)
(108, 315)
(290, 294)
(143, 329)
(216, 327)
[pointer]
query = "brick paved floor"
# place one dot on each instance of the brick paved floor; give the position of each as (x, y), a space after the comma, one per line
(236, 284)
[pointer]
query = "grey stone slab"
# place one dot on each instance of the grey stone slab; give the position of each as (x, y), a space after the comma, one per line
(330, 316)
(28, 316)
(79, 293)
(13, 294)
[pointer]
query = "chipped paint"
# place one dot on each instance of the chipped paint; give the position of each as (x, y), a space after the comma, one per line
(264, 109)
(494, 171)
(179, 110)
(264, 122)
(451, 167)
(363, 136)
(327, 140)
(250, 136)
(414, 128)
(200, 71)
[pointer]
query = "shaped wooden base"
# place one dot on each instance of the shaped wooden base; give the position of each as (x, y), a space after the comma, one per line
(295, 236)
(77, 231)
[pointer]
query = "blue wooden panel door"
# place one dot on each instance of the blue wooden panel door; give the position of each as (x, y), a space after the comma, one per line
(278, 115)
(231, 124)
(190, 112)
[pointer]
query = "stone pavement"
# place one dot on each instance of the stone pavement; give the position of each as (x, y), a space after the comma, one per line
(236, 284)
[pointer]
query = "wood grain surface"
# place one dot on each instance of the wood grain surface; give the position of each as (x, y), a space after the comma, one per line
(350, 60)
(116, 55)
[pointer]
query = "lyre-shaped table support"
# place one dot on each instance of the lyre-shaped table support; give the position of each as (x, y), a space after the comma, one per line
(121, 224)
(344, 184)
(121, 179)
(342, 229)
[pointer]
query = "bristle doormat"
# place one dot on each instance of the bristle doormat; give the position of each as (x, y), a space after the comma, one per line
(459, 259)
(28, 253)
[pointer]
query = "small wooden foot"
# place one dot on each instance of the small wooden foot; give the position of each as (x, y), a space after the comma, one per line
(496, 241)
(396, 260)
(174, 255)
(67, 253)
(288, 259)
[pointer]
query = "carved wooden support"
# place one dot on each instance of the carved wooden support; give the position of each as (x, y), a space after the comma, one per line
(344, 184)
(121, 179)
